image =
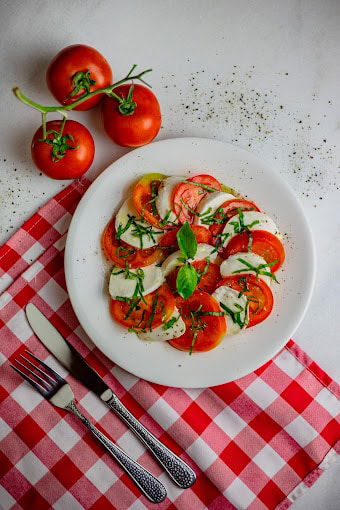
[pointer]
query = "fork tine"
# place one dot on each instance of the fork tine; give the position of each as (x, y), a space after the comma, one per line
(45, 383)
(37, 386)
(37, 368)
(47, 368)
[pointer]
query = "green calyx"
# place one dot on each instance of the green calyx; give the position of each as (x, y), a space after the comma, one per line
(81, 81)
(59, 144)
(126, 104)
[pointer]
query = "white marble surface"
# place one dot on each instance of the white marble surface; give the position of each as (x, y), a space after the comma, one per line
(262, 74)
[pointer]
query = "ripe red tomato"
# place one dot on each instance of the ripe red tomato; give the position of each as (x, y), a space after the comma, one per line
(144, 315)
(229, 209)
(73, 70)
(123, 254)
(187, 196)
(144, 194)
(264, 244)
(76, 150)
(260, 296)
(135, 129)
(203, 332)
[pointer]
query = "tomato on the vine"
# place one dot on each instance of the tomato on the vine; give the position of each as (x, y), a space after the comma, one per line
(133, 118)
(76, 70)
(65, 156)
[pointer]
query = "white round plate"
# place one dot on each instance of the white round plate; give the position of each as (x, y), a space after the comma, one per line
(86, 269)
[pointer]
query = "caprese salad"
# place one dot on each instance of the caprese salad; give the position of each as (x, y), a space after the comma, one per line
(192, 261)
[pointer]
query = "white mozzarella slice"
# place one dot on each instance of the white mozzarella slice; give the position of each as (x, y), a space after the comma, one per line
(232, 264)
(264, 223)
(164, 197)
(160, 334)
(120, 285)
(122, 218)
(210, 204)
(203, 251)
(230, 298)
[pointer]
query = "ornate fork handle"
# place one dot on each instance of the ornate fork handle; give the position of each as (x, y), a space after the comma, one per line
(153, 489)
(179, 471)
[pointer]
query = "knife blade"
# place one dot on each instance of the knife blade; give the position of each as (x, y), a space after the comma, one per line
(65, 352)
(179, 471)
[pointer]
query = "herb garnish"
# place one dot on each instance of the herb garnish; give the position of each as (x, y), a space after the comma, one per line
(138, 275)
(239, 226)
(152, 200)
(187, 276)
(138, 230)
(236, 316)
(167, 325)
(204, 186)
(149, 322)
(166, 221)
(205, 270)
(258, 270)
(197, 324)
(213, 219)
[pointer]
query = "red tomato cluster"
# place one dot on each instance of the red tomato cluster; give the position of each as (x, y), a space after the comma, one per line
(67, 151)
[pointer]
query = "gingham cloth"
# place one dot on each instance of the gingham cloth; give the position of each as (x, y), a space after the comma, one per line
(255, 443)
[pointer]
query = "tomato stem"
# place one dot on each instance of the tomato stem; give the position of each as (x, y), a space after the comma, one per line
(63, 109)
(106, 90)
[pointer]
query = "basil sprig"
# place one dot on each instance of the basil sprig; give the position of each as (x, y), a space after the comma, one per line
(187, 277)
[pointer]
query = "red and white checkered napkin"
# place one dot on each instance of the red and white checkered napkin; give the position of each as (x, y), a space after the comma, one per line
(255, 443)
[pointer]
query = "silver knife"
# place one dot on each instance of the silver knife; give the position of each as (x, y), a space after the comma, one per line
(177, 469)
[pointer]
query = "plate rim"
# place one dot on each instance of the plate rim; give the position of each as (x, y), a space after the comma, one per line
(96, 184)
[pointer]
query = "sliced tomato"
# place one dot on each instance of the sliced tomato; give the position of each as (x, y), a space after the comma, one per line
(157, 308)
(259, 294)
(123, 254)
(187, 196)
(264, 244)
(144, 195)
(204, 333)
(169, 243)
(208, 280)
(229, 209)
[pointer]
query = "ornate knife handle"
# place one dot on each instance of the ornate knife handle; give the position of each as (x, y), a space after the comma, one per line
(153, 489)
(179, 471)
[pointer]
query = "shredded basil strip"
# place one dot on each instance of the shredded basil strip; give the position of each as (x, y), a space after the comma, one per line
(258, 270)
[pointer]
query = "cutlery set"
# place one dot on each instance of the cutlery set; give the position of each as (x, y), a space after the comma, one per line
(57, 391)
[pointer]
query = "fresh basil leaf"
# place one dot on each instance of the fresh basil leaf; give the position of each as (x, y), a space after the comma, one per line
(186, 281)
(187, 241)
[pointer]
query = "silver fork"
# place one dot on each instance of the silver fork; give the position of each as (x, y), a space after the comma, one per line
(57, 391)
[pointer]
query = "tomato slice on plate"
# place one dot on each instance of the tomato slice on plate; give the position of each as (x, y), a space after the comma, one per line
(169, 243)
(123, 254)
(229, 209)
(203, 332)
(264, 244)
(210, 276)
(157, 308)
(259, 295)
(187, 195)
(144, 198)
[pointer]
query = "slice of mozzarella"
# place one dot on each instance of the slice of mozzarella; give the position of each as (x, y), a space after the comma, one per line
(230, 298)
(264, 223)
(203, 251)
(121, 285)
(160, 334)
(210, 204)
(232, 264)
(122, 218)
(164, 197)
